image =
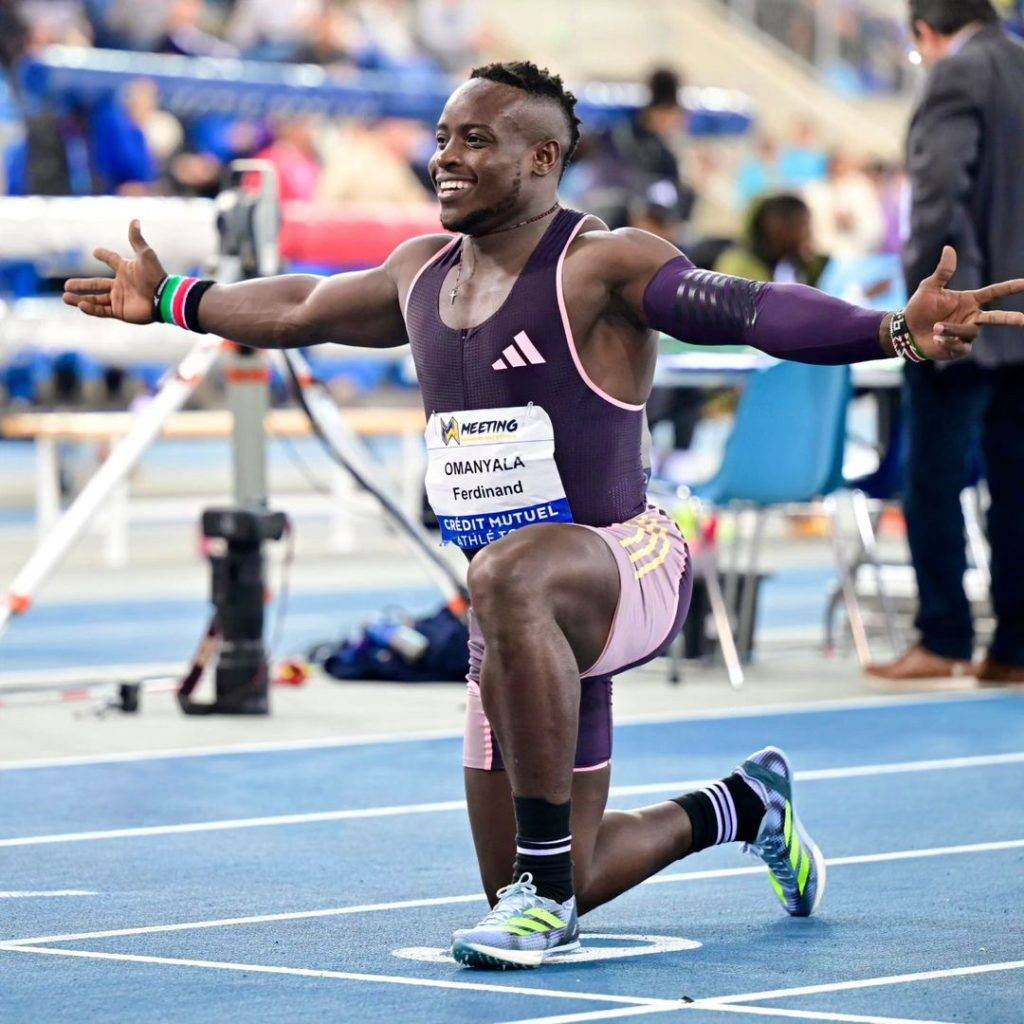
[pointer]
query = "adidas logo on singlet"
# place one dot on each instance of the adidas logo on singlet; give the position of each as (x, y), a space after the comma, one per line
(525, 354)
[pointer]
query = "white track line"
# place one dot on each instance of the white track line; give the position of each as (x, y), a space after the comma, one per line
(891, 979)
(804, 707)
(297, 915)
(87, 675)
(627, 1005)
(851, 772)
(402, 810)
(22, 894)
(572, 1018)
(774, 1011)
(738, 1003)
(751, 711)
(753, 1011)
(31, 635)
(860, 858)
(232, 749)
(693, 876)
(237, 823)
(382, 979)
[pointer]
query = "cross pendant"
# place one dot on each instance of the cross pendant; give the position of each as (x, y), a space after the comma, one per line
(454, 292)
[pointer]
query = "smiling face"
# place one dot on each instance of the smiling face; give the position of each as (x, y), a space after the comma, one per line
(499, 153)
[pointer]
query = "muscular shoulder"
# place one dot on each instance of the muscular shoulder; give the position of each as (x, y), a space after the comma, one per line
(407, 258)
(620, 257)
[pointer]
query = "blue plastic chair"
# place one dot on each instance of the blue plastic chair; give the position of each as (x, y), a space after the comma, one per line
(788, 441)
(786, 448)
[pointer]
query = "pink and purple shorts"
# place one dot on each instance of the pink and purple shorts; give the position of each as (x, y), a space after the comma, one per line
(656, 581)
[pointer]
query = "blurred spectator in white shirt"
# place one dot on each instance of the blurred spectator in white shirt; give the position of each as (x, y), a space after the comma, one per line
(846, 212)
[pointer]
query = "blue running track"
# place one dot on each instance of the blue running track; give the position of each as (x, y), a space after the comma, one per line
(191, 910)
(93, 634)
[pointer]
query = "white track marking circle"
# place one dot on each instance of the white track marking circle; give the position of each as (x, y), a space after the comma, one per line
(595, 946)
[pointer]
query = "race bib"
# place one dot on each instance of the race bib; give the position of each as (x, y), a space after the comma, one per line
(491, 472)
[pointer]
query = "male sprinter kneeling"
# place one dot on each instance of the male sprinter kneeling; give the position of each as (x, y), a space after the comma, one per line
(534, 331)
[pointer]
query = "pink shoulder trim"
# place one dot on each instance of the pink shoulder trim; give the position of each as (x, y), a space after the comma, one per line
(568, 331)
(433, 259)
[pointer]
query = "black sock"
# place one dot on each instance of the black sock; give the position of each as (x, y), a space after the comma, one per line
(544, 846)
(725, 812)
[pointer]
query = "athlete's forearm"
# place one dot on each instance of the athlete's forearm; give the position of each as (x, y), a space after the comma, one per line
(788, 321)
(360, 308)
(263, 313)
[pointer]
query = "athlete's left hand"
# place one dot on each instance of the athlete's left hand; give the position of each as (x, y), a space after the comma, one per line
(944, 322)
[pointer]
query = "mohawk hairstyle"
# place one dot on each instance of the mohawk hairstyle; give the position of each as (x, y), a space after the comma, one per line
(535, 81)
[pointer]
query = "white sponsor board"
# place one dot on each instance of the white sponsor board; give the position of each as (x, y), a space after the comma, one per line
(491, 472)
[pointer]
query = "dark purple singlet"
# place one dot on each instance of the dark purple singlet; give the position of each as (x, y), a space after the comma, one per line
(524, 353)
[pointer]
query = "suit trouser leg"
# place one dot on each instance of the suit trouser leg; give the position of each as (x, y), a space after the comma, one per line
(944, 418)
(1004, 461)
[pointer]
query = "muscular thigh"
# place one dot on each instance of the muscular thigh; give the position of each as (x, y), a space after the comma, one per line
(553, 569)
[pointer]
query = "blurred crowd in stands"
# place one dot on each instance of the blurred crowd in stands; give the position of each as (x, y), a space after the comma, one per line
(128, 145)
(646, 171)
(799, 202)
(858, 46)
(793, 202)
(790, 207)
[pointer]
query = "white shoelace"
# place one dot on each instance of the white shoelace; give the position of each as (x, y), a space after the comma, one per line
(512, 899)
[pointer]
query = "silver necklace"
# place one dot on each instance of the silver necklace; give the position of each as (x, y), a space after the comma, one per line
(497, 231)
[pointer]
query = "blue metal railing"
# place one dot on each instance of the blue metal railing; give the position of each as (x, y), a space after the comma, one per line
(200, 85)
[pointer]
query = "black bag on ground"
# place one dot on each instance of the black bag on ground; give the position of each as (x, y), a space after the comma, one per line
(432, 649)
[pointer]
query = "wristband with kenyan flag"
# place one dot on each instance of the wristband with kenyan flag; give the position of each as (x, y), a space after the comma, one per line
(903, 341)
(177, 301)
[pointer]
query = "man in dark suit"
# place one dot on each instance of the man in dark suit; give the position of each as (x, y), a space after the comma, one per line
(965, 160)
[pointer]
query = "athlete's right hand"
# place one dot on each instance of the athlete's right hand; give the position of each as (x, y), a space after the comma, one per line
(129, 295)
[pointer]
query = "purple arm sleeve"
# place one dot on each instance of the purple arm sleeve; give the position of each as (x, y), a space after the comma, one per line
(788, 321)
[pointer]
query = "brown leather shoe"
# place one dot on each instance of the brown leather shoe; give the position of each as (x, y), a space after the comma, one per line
(920, 663)
(994, 673)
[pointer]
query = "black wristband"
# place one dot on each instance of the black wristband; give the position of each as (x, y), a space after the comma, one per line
(195, 294)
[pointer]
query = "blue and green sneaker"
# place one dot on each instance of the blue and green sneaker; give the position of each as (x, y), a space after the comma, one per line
(522, 930)
(796, 867)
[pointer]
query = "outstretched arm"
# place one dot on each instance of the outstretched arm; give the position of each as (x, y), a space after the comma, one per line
(665, 290)
(360, 308)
